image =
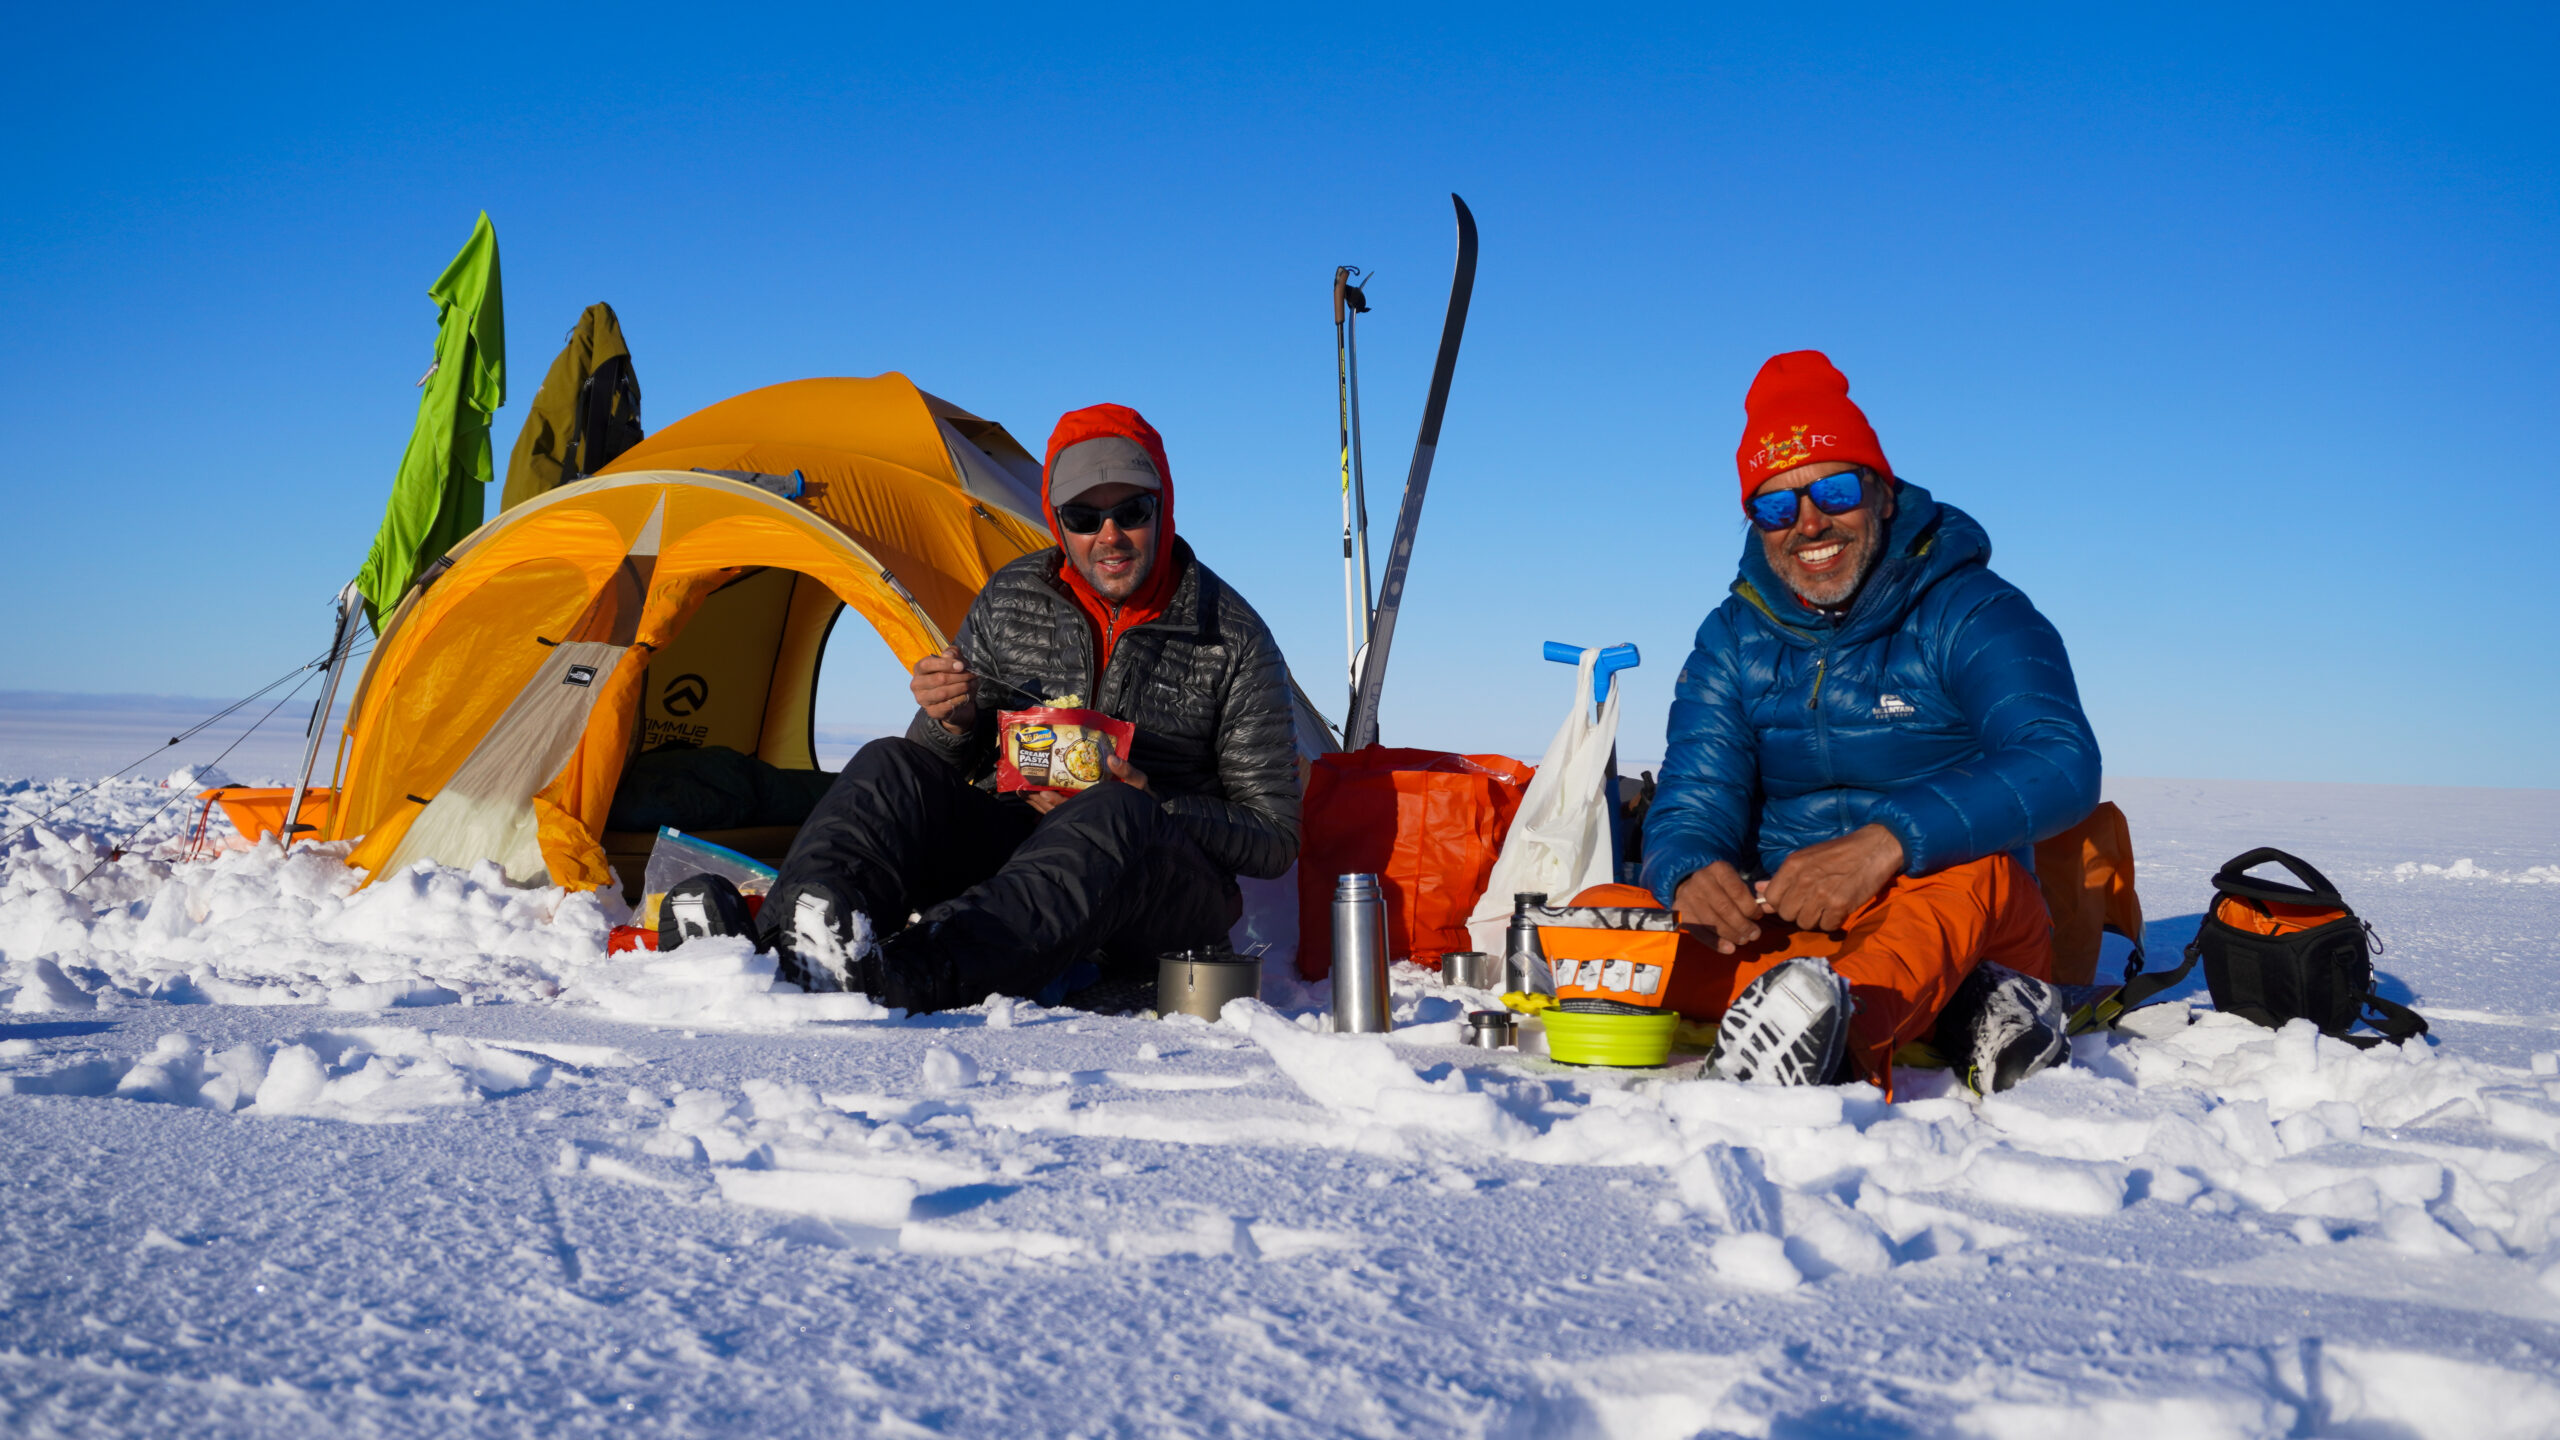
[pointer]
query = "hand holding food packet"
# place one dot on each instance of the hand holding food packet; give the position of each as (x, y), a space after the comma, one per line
(1062, 750)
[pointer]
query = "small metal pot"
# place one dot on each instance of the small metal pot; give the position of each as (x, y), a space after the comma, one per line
(1472, 968)
(1201, 982)
(1492, 1029)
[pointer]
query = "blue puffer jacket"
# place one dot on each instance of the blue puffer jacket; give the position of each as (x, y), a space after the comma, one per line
(1940, 706)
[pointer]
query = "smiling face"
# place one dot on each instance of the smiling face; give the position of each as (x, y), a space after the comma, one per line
(1115, 562)
(1824, 558)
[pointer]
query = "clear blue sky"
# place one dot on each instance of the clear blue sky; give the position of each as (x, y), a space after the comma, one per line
(2239, 331)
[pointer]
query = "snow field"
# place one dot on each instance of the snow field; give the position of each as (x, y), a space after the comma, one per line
(420, 1157)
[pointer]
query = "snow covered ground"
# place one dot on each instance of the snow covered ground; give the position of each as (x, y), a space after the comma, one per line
(288, 1157)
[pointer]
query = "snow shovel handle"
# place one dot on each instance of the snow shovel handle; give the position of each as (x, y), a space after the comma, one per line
(1604, 670)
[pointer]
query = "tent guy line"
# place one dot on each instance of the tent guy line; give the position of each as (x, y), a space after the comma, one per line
(179, 792)
(190, 733)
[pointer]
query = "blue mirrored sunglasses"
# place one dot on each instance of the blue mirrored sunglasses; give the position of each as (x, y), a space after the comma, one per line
(1832, 495)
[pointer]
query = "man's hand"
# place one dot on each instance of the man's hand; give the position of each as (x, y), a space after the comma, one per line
(1820, 885)
(1127, 774)
(942, 685)
(1716, 899)
(1044, 801)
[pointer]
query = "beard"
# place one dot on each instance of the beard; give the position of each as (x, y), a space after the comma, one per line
(1835, 587)
(1130, 580)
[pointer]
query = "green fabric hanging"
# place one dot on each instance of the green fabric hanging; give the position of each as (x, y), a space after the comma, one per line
(436, 499)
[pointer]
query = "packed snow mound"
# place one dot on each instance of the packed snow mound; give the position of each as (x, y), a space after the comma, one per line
(2468, 869)
(665, 1186)
(258, 926)
(368, 1074)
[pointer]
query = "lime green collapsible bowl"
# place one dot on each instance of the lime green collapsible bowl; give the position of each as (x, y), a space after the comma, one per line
(1624, 1041)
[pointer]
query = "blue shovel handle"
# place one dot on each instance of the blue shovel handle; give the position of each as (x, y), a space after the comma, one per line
(1604, 670)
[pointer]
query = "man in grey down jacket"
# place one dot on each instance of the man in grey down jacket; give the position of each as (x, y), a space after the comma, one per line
(1872, 733)
(1016, 893)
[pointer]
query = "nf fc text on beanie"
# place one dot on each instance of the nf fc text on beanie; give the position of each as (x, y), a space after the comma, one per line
(1799, 412)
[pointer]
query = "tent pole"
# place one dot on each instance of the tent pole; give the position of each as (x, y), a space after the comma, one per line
(340, 642)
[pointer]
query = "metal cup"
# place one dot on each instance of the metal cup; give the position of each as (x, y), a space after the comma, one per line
(1201, 982)
(1359, 956)
(1491, 1029)
(1472, 968)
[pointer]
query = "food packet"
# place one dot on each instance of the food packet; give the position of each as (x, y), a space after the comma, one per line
(1053, 749)
(677, 856)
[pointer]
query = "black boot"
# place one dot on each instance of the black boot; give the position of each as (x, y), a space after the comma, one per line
(819, 942)
(2000, 1028)
(919, 969)
(701, 905)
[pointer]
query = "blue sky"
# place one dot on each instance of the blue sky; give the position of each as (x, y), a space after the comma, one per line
(2238, 330)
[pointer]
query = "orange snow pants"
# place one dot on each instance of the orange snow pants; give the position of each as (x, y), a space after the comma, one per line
(1903, 953)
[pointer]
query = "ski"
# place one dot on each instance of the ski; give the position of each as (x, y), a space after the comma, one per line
(1361, 729)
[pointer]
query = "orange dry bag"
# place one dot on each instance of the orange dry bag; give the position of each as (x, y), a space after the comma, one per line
(1427, 823)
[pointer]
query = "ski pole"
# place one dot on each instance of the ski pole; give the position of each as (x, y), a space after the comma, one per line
(1349, 303)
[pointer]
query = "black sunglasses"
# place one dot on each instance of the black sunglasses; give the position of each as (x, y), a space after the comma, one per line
(1832, 495)
(1135, 513)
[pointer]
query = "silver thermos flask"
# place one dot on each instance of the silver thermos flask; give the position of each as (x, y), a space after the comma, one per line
(1359, 956)
(1524, 959)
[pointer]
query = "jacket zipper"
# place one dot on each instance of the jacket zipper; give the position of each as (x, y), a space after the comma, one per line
(1821, 725)
(1101, 669)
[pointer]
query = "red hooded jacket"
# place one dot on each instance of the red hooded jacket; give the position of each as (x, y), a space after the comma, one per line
(1110, 621)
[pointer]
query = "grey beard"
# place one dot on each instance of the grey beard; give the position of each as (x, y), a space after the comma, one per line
(1845, 589)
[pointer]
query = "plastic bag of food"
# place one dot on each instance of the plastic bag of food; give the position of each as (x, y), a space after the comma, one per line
(1053, 749)
(677, 856)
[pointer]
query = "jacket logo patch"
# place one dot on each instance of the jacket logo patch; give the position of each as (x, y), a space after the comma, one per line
(1892, 707)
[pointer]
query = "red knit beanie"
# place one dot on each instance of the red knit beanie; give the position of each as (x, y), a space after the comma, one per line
(1798, 412)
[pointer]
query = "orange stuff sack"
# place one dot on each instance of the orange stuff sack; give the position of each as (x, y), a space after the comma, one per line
(2275, 917)
(1427, 823)
(1626, 952)
(2086, 874)
(1617, 943)
(1046, 748)
(259, 812)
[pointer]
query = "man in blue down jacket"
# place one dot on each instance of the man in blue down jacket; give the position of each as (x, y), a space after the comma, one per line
(1868, 739)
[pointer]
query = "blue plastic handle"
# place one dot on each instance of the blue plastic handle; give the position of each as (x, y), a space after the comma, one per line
(1604, 670)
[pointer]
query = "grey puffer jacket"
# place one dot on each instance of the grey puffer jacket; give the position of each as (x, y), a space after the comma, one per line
(1204, 683)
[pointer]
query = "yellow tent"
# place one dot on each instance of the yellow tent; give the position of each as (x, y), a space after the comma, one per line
(682, 596)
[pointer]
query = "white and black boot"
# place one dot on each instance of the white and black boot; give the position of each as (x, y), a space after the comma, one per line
(2000, 1028)
(1789, 1027)
(821, 945)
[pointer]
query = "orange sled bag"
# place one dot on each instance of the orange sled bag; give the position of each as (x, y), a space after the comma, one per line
(1427, 823)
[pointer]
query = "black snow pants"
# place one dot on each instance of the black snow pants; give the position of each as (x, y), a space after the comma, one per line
(1019, 900)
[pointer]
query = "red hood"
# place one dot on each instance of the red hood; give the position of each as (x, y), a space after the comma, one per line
(1110, 622)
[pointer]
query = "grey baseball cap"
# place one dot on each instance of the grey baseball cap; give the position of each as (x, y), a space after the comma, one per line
(1102, 460)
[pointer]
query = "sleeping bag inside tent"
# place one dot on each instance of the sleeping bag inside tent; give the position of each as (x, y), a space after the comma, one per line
(667, 617)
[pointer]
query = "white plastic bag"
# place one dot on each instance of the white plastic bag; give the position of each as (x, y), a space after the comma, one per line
(1559, 842)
